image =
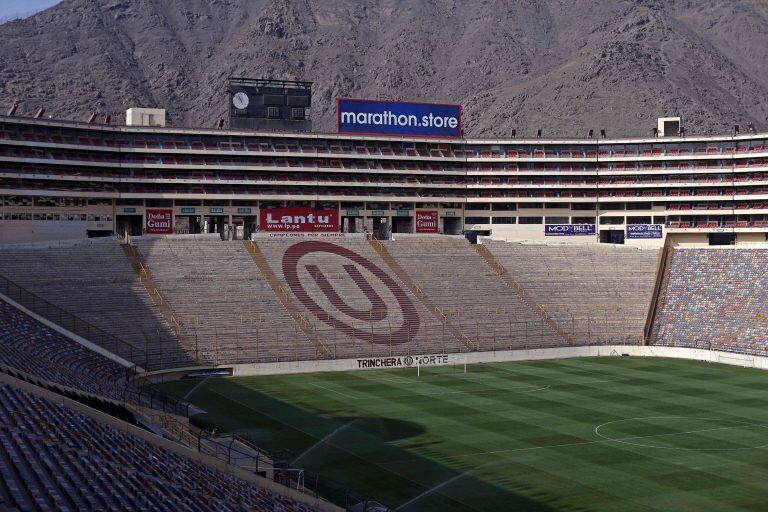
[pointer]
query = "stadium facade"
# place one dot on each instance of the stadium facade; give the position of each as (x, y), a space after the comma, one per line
(63, 180)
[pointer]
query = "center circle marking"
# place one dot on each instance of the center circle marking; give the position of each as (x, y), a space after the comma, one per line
(640, 440)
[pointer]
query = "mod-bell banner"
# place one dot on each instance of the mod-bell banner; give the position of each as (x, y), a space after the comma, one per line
(645, 231)
(569, 229)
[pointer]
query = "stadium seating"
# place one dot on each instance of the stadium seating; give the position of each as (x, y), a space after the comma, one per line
(226, 308)
(32, 348)
(55, 458)
(714, 298)
(599, 293)
(94, 281)
(457, 279)
(347, 330)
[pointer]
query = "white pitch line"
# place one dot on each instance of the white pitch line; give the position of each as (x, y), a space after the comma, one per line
(189, 393)
(384, 379)
(598, 441)
(479, 392)
(337, 392)
(626, 440)
(433, 489)
(322, 441)
(440, 393)
(602, 439)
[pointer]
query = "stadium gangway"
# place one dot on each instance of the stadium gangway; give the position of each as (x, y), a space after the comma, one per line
(146, 394)
(73, 323)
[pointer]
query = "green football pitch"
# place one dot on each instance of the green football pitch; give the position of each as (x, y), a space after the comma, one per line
(592, 434)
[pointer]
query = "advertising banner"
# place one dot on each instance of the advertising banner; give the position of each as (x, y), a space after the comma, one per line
(407, 361)
(299, 219)
(426, 222)
(569, 229)
(644, 231)
(399, 118)
(159, 222)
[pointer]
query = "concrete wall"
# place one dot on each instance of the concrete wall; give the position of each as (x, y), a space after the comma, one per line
(13, 231)
(342, 365)
(137, 116)
(535, 233)
(750, 238)
(692, 239)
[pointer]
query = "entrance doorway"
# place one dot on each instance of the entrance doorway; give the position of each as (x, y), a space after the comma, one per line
(612, 236)
(722, 238)
(378, 227)
(452, 225)
(214, 224)
(351, 224)
(187, 224)
(402, 225)
(129, 225)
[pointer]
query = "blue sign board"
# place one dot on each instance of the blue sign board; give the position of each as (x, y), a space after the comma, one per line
(569, 229)
(399, 118)
(644, 231)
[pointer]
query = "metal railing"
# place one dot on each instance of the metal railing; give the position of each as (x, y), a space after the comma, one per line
(73, 323)
(261, 342)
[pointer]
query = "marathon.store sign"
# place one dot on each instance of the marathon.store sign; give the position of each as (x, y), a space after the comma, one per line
(159, 222)
(569, 229)
(361, 116)
(644, 231)
(403, 361)
(299, 219)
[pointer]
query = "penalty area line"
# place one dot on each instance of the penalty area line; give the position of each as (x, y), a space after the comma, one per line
(322, 441)
(191, 391)
(337, 392)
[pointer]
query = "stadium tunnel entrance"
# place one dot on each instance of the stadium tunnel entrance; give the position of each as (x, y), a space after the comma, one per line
(130, 225)
(243, 226)
(722, 238)
(611, 236)
(402, 224)
(452, 225)
(379, 227)
(187, 224)
(350, 224)
(214, 224)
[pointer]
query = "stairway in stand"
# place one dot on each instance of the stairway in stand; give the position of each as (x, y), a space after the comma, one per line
(510, 281)
(417, 291)
(134, 257)
(322, 350)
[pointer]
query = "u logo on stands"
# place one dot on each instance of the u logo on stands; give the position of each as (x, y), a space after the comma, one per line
(378, 311)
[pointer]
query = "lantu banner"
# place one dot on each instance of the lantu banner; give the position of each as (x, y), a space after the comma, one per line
(159, 222)
(569, 229)
(426, 222)
(645, 231)
(299, 219)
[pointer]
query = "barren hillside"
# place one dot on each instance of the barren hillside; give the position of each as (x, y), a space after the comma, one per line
(563, 66)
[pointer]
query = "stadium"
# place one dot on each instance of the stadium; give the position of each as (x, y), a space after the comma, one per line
(264, 317)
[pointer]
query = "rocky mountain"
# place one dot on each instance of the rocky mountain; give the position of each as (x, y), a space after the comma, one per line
(564, 66)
